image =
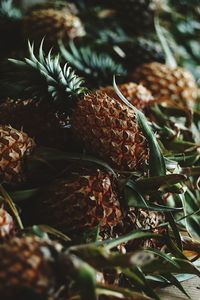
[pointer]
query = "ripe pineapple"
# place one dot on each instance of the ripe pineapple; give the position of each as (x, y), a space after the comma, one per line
(82, 199)
(7, 226)
(107, 127)
(175, 85)
(141, 219)
(29, 263)
(110, 129)
(14, 147)
(53, 24)
(138, 219)
(136, 94)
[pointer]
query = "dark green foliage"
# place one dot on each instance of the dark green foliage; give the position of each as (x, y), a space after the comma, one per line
(98, 68)
(43, 78)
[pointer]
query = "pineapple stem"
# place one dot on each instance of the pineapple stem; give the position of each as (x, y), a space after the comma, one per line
(12, 206)
(169, 57)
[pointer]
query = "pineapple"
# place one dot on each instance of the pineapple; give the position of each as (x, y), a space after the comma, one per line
(136, 94)
(29, 263)
(83, 199)
(107, 127)
(173, 85)
(7, 226)
(14, 147)
(110, 129)
(141, 220)
(53, 24)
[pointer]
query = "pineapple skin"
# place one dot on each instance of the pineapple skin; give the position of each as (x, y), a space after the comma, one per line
(53, 25)
(85, 198)
(136, 94)
(14, 147)
(110, 129)
(175, 85)
(28, 263)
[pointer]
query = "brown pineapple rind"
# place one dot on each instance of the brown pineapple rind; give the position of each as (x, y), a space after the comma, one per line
(175, 85)
(110, 129)
(83, 199)
(136, 94)
(14, 147)
(52, 24)
(28, 263)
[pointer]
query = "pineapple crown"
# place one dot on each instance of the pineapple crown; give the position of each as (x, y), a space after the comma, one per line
(8, 11)
(43, 78)
(99, 68)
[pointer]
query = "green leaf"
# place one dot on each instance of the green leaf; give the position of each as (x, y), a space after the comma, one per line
(157, 165)
(23, 195)
(166, 257)
(8, 200)
(184, 266)
(140, 281)
(135, 199)
(170, 60)
(156, 162)
(87, 282)
(156, 182)
(174, 281)
(137, 234)
(191, 205)
(54, 154)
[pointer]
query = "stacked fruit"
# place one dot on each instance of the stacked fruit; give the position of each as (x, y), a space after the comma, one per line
(103, 177)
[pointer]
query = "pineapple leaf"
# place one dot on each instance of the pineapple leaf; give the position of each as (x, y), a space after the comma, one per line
(9, 11)
(87, 282)
(11, 205)
(42, 77)
(192, 220)
(140, 281)
(157, 165)
(113, 290)
(174, 281)
(53, 154)
(134, 198)
(98, 68)
(136, 234)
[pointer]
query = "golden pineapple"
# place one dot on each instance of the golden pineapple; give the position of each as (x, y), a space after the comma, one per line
(110, 129)
(53, 24)
(84, 198)
(136, 94)
(174, 85)
(7, 226)
(139, 219)
(14, 147)
(29, 263)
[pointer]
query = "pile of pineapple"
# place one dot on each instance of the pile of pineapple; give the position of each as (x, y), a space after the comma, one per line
(99, 149)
